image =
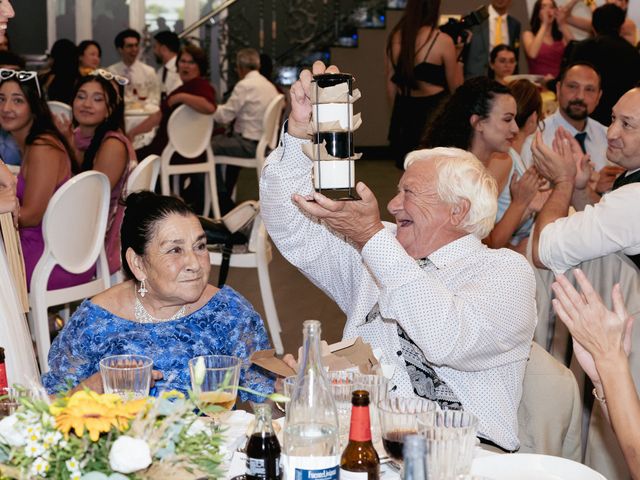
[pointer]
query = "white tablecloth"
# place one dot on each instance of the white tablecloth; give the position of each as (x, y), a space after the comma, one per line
(135, 116)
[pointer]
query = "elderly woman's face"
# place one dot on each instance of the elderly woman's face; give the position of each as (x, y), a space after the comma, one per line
(422, 219)
(176, 261)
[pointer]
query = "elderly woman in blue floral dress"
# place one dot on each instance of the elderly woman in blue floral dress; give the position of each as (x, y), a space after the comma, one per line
(166, 310)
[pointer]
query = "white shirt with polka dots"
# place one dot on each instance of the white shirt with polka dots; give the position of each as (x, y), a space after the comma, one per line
(473, 313)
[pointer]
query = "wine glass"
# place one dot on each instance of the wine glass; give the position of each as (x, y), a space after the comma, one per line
(214, 381)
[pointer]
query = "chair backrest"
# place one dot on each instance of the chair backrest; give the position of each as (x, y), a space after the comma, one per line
(550, 411)
(75, 222)
(60, 109)
(189, 131)
(145, 175)
(270, 129)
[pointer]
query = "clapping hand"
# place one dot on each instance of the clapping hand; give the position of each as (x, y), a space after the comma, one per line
(557, 164)
(597, 331)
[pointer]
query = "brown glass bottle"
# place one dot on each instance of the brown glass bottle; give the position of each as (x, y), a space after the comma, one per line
(360, 460)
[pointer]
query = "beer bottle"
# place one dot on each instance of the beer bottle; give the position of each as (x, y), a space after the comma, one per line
(263, 448)
(360, 460)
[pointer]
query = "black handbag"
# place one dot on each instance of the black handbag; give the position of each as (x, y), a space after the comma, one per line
(232, 229)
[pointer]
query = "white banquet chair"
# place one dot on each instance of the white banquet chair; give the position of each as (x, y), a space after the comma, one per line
(73, 227)
(189, 135)
(267, 142)
(258, 256)
(60, 109)
(145, 175)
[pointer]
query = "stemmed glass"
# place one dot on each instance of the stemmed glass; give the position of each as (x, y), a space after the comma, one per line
(214, 381)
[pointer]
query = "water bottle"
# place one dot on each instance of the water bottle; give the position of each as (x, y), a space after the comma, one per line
(415, 458)
(311, 443)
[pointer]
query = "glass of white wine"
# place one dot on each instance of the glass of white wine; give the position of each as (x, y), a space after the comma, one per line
(214, 381)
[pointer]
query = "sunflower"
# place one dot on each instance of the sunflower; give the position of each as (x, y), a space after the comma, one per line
(98, 413)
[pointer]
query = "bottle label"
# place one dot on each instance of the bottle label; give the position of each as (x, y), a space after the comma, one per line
(3, 377)
(256, 467)
(360, 429)
(310, 468)
(347, 475)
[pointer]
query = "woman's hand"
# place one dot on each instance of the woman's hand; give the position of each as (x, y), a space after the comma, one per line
(175, 99)
(597, 332)
(64, 125)
(301, 99)
(524, 189)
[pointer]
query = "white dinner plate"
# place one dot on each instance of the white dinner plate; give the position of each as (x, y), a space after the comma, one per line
(531, 78)
(530, 466)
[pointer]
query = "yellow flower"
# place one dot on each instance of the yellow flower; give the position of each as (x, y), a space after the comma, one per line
(98, 413)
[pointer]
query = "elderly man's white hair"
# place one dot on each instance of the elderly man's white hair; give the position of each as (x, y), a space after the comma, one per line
(462, 176)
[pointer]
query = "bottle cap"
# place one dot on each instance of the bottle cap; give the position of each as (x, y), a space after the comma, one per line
(414, 446)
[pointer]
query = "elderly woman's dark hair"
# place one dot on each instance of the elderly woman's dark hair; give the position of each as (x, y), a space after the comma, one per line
(451, 126)
(199, 56)
(528, 100)
(113, 122)
(417, 14)
(43, 123)
(536, 23)
(144, 210)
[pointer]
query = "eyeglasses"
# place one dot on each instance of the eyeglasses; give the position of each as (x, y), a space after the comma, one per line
(21, 76)
(107, 75)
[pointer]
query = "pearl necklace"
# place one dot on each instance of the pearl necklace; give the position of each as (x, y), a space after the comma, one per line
(142, 316)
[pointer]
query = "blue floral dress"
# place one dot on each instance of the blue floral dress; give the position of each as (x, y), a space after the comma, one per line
(226, 325)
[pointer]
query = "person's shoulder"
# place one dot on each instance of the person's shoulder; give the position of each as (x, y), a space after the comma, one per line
(115, 67)
(596, 127)
(506, 260)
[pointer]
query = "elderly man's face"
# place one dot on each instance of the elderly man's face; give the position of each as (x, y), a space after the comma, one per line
(623, 135)
(423, 220)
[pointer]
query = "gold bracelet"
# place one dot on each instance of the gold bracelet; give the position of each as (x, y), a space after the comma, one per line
(595, 395)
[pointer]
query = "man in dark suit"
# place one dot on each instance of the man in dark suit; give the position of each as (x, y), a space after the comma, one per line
(499, 27)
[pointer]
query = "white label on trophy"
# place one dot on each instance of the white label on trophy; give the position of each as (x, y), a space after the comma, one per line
(333, 112)
(329, 174)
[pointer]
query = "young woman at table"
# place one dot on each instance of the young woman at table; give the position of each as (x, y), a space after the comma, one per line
(481, 117)
(46, 164)
(89, 55)
(100, 144)
(502, 63)
(166, 309)
(196, 92)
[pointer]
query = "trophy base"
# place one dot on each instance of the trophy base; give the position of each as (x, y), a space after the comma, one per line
(339, 194)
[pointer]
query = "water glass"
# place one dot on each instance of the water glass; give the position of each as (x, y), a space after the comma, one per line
(399, 417)
(451, 439)
(126, 375)
(342, 384)
(218, 384)
(377, 386)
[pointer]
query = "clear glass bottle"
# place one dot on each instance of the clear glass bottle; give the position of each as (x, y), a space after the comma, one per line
(415, 458)
(360, 460)
(263, 448)
(311, 446)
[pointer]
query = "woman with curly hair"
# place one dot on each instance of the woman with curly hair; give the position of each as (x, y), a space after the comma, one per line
(481, 117)
(421, 70)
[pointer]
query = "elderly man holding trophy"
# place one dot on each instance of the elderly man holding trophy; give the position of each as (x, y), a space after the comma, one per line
(452, 319)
